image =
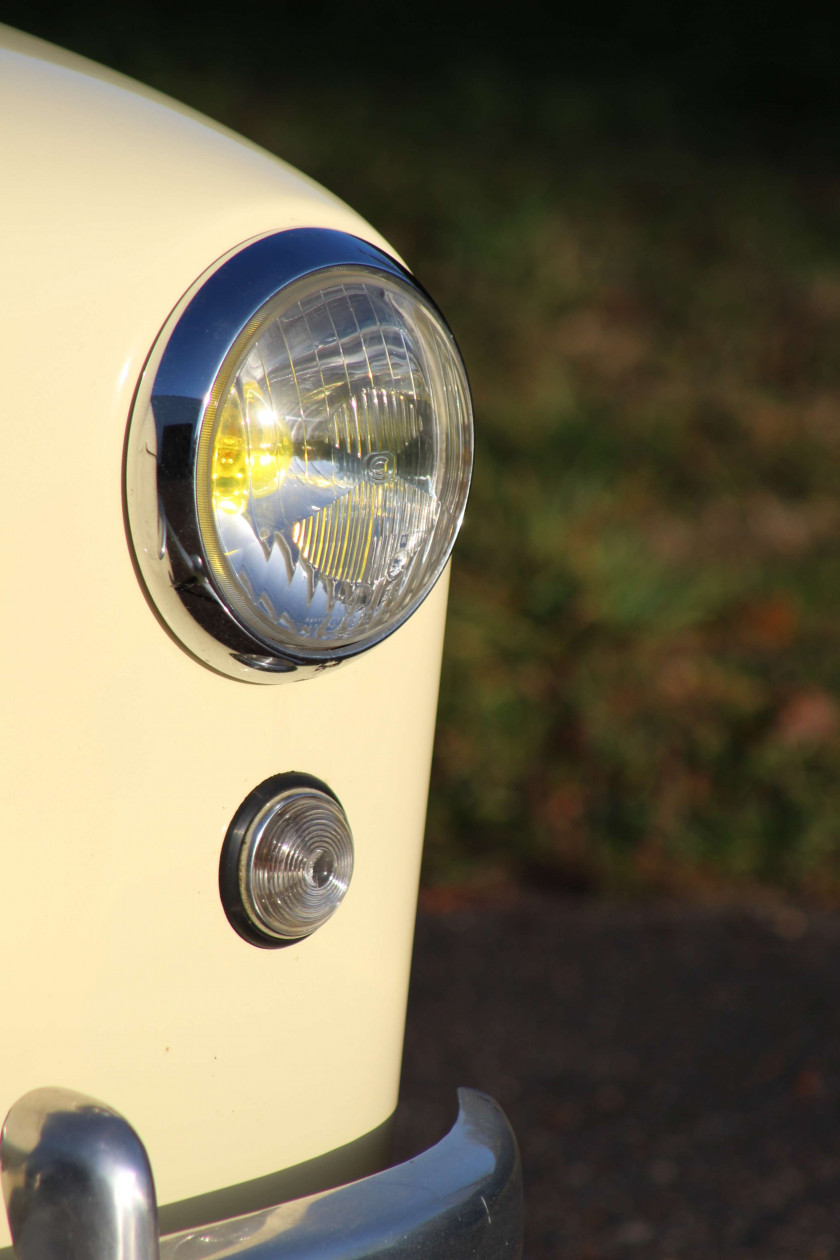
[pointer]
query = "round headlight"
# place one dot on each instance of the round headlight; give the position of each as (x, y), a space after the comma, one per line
(299, 457)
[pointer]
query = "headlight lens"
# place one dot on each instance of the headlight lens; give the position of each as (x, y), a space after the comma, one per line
(332, 469)
(329, 460)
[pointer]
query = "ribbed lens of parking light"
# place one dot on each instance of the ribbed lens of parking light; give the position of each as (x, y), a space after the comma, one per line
(296, 864)
(334, 462)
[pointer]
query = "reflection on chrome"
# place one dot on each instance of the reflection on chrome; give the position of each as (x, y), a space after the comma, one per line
(77, 1183)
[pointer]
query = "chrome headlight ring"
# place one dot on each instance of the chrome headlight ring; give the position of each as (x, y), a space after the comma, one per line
(299, 455)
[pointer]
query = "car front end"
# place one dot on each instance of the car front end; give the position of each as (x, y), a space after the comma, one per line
(241, 441)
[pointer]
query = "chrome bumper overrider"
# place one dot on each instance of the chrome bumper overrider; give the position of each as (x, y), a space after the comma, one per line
(78, 1186)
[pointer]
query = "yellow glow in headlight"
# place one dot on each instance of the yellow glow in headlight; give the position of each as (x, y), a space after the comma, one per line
(251, 452)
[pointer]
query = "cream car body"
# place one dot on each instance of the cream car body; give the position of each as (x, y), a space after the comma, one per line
(123, 758)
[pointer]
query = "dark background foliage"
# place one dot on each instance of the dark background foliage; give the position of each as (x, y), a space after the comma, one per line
(630, 217)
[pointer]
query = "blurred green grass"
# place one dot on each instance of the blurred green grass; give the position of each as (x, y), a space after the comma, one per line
(640, 685)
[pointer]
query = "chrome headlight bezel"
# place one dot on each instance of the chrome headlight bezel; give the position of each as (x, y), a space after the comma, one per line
(190, 357)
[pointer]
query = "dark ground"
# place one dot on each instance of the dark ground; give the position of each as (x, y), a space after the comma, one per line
(672, 1072)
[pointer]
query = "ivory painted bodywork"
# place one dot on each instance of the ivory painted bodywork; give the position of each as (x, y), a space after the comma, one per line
(122, 758)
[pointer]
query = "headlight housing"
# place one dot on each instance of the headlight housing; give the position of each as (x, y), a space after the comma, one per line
(299, 456)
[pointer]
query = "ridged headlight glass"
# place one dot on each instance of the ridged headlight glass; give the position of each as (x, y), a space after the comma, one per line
(308, 419)
(333, 462)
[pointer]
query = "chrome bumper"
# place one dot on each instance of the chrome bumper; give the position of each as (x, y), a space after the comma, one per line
(78, 1186)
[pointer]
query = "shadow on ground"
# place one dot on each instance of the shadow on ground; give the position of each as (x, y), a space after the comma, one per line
(673, 1072)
